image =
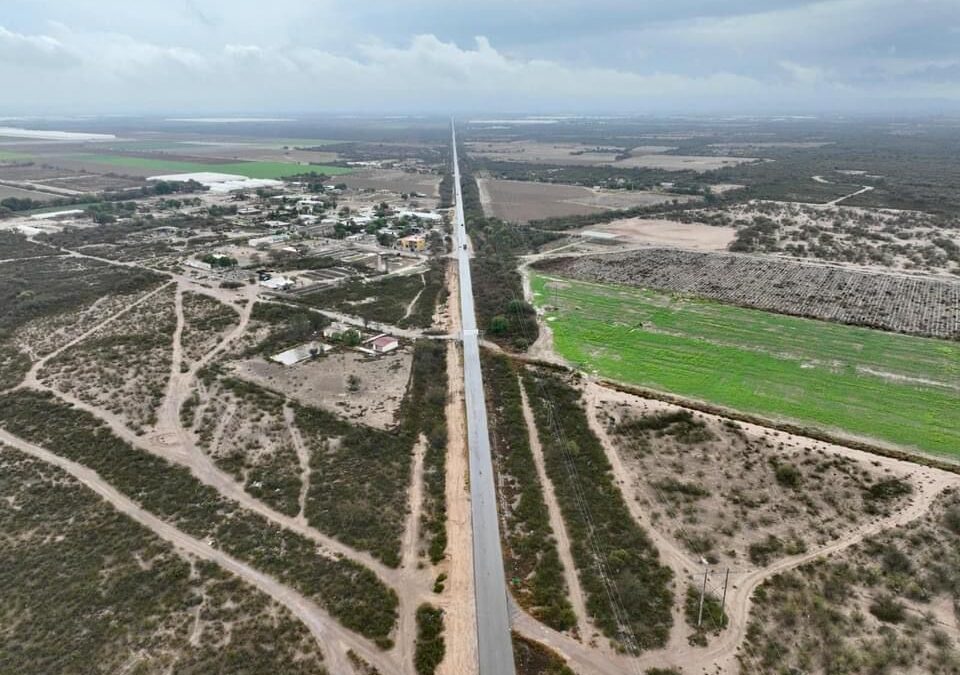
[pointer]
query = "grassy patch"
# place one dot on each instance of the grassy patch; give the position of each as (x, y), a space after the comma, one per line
(272, 170)
(894, 388)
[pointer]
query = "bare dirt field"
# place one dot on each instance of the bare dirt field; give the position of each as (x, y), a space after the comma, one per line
(325, 383)
(393, 180)
(659, 232)
(7, 192)
(30, 171)
(522, 201)
(92, 183)
(682, 162)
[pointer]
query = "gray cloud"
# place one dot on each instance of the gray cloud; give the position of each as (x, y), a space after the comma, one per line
(563, 55)
(33, 51)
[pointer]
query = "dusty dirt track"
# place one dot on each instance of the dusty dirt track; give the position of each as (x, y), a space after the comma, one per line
(170, 440)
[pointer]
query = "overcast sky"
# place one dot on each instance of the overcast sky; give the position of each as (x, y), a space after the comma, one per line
(63, 57)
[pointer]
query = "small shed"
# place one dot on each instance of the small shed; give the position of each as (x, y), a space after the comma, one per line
(384, 344)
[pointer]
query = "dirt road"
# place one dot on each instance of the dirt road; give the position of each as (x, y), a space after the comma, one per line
(334, 639)
(557, 524)
(458, 599)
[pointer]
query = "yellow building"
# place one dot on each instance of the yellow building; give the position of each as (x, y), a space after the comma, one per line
(416, 243)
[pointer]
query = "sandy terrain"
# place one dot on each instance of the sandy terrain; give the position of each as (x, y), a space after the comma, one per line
(658, 232)
(720, 655)
(698, 163)
(458, 601)
(393, 180)
(522, 201)
(323, 383)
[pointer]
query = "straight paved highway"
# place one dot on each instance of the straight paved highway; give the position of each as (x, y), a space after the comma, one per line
(494, 646)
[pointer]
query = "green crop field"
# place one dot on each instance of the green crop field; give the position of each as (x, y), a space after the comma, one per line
(7, 156)
(895, 388)
(249, 169)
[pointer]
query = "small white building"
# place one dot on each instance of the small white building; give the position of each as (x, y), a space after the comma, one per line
(301, 353)
(277, 283)
(268, 240)
(384, 344)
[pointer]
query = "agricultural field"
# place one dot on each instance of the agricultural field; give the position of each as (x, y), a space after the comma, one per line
(736, 494)
(917, 306)
(880, 238)
(149, 166)
(896, 389)
(888, 604)
(70, 559)
(394, 180)
(523, 201)
(7, 192)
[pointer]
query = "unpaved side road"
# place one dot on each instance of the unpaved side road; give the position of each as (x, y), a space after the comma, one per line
(334, 639)
(574, 591)
(458, 599)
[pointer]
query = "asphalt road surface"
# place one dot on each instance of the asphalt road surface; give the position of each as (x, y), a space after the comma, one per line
(494, 646)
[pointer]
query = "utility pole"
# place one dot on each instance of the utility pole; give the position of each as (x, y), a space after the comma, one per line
(703, 591)
(723, 602)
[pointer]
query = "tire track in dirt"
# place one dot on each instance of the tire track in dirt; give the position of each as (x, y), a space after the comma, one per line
(303, 456)
(458, 601)
(30, 379)
(557, 524)
(333, 638)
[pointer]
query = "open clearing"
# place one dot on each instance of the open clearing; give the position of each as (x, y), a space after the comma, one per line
(325, 383)
(722, 489)
(522, 201)
(151, 166)
(861, 382)
(578, 154)
(659, 232)
(394, 180)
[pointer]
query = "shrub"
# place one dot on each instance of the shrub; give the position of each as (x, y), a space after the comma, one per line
(887, 609)
(430, 647)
